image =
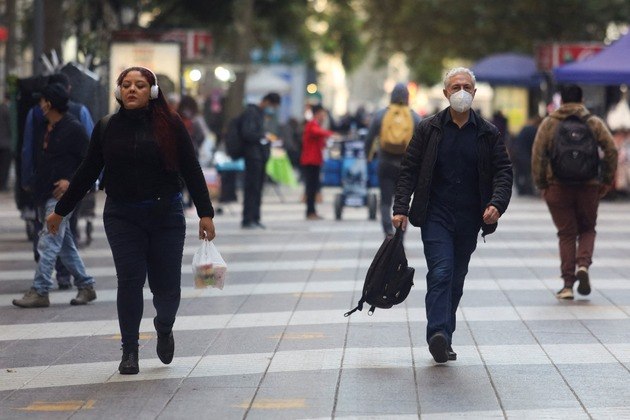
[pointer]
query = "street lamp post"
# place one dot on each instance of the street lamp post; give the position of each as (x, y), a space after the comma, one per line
(38, 35)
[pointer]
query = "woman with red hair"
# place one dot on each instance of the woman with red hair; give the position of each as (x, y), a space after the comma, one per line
(145, 151)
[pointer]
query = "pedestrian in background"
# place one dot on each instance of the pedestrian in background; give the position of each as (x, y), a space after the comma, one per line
(64, 146)
(188, 111)
(573, 200)
(311, 159)
(33, 138)
(459, 173)
(255, 129)
(521, 156)
(5, 143)
(393, 137)
(144, 150)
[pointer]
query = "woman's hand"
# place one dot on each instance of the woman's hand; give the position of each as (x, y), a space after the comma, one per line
(52, 222)
(206, 228)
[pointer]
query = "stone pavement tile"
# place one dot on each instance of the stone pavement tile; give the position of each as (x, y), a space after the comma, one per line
(290, 255)
(187, 343)
(306, 337)
(295, 395)
(265, 303)
(338, 274)
(599, 385)
(560, 332)
(93, 311)
(280, 276)
(246, 340)
(531, 297)
(240, 277)
(527, 387)
(500, 332)
(473, 298)
(215, 305)
(616, 297)
(577, 413)
(445, 388)
(579, 354)
(378, 335)
(540, 273)
(52, 403)
(133, 399)
(386, 391)
(22, 353)
(610, 331)
(252, 256)
(328, 300)
(474, 272)
(198, 398)
(338, 253)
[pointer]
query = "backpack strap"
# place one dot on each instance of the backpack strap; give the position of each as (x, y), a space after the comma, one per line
(359, 307)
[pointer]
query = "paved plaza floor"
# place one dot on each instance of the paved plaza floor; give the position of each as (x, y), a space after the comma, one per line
(274, 344)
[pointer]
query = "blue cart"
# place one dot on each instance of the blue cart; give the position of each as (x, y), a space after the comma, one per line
(346, 165)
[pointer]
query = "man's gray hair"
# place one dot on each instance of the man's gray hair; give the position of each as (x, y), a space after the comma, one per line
(458, 70)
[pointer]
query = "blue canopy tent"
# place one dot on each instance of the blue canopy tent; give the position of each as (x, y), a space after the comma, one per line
(611, 66)
(508, 69)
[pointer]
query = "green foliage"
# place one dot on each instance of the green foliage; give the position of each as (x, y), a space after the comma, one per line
(430, 31)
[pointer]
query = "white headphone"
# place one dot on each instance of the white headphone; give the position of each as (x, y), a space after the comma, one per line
(155, 89)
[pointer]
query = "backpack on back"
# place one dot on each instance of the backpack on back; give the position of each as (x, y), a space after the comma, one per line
(396, 129)
(389, 279)
(234, 144)
(574, 155)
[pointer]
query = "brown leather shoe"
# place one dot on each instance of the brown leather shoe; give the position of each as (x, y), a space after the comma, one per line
(32, 299)
(314, 216)
(85, 295)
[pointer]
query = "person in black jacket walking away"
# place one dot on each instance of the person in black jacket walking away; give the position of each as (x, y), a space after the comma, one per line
(144, 150)
(255, 130)
(460, 175)
(64, 146)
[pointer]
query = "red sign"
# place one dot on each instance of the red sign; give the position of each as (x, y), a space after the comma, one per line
(4, 33)
(553, 55)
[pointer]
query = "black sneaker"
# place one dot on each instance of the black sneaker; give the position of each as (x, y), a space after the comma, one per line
(584, 285)
(451, 354)
(438, 346)
(129, 363)
(165, 345)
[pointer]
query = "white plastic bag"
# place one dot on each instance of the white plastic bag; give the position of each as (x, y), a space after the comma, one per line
(208, 266)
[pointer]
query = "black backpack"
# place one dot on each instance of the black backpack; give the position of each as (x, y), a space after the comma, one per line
(389, 279)
(234, 144)
(574, 155)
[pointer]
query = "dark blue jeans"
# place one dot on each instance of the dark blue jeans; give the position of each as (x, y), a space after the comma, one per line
(146, 240)
(447, 254)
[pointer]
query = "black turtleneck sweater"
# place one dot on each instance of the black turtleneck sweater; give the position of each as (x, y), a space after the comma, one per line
(134, 168)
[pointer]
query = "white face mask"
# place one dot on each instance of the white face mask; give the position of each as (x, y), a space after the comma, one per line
(461, 101)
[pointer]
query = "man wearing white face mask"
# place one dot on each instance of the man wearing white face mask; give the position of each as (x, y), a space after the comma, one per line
(459, 173)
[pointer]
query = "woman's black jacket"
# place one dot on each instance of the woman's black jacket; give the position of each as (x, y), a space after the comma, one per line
(134, 168)
(494, 167)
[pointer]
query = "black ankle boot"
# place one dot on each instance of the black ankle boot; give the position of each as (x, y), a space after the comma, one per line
(165, 345)
(129, 363)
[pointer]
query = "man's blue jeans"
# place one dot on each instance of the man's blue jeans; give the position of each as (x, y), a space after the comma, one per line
(61, 245)
(448, 254)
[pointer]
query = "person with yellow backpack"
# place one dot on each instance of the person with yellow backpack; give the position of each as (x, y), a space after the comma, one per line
(393, 127)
